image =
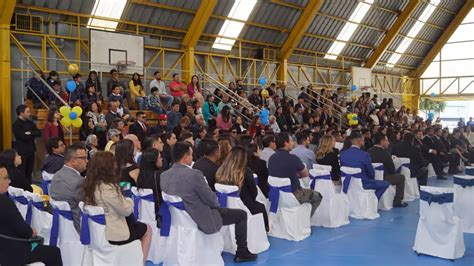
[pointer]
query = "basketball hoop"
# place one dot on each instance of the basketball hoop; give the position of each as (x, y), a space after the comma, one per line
(122, 65)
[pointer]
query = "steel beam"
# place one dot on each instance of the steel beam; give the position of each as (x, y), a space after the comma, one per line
(300, 28)
(6, 13)
(392, 33)
(199, 23)
(467, 7)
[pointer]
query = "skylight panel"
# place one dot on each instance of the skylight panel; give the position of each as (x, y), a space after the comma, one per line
(349, 28)
(106, 8)
(240, 10)
(415, 29)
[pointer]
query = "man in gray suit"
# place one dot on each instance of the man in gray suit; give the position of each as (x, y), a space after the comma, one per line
(67, 182)
(200, 201)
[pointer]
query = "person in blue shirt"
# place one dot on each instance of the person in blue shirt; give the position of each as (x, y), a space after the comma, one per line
(286, 165)
(305, 154)
(357, 158)
(174, 116)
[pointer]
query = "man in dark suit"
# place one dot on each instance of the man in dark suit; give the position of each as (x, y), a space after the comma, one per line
(140, 128)
(209, 149)
(443, 151)
(418, 164)
(67, 182)
(25, 132)
(114, 113)
(355, 157)
(200, 201)
(432, 154)
(379, 154)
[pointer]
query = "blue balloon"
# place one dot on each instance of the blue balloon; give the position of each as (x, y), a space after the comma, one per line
(264, 113)
(354, 118)
(71, 86)
(72, 115)
(354, 88)
(430, 116)
(433, 94)
(262, 81)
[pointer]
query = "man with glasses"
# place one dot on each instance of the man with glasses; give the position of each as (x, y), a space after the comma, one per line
(140, 128)
(67, 182)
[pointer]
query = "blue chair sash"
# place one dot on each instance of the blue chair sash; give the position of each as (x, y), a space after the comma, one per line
(438, 198)
(381, 168)
(20, 199)
(45, 185)
(274, 196)
(136, 203)
(464, 182)
(469, 171)
(314, 178)
(399, 170)
(29, 211)
(256, 180)
(347, 180)
(222, 197)
(85, 235)
(55, 226)
(166, 216)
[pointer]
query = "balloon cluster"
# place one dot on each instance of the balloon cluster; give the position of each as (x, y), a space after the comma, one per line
(71, 116)
(352, 119)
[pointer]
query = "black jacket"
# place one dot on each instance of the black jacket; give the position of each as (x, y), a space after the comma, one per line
(406, 150)
(332, 160)
(53, 163)
(18, 179)
(12, 224)
(259, 167)
(208, 169)
(137, 130)
(380, 155)
(25, 143)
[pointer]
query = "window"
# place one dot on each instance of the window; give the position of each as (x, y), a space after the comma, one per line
(415, 29)
(349, 28)
(109, 9)
(240, 10)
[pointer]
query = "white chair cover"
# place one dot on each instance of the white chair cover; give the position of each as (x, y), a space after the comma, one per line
(402, 165)
(144, 204)
(362, 202)
(72, 251)
(386, 201)
(186, 245)
(333, 211)
(21, 202)
(260, 196)
(439, 231)
(431, 171)
(47, 178)
(257, 240)
(463, 201)
(291, 220)
(41, 220)
(99, 251)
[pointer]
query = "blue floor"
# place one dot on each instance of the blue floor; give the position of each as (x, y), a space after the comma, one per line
(387, 240)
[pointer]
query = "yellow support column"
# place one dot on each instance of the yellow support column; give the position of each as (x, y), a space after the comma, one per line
(191, 38)
(6, 13)
(282, 74)
(392, 33)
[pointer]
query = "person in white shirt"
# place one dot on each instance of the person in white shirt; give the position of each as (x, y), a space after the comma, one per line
(162, 91)
(274, 125)
(269, 147)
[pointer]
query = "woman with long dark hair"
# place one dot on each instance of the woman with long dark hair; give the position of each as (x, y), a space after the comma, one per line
(137, 92)
(11, 160)
(95, 115)
(194, 87)
(151, 167)
(169, 140)
(53, 128)
(224, 121)
(92, 80)
(126, 170)
(234, 171)
(101, 188)
(209, 111)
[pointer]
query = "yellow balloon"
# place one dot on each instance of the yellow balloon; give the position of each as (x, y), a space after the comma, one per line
(72, 69)
(65, 110)
(77, 122)
(265, 94)
(78, 110)
(66, 121)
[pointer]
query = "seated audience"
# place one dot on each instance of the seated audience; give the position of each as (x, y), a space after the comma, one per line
(162, 126)
(101, 188)
(67, 182)
(92, 143)
(418, 165)
(379, 154)
(12, 225)
(258, 166)
(224, 121)
(301, 150)
(163, 93)
(286, 165)
(200, 201)
(113, 135)
(127, 169)
(173, 116)
(154, 101)
(54, 161)
(140, 128)
(137, 92)
(169, 140)
(269, 147)
(177, 88)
